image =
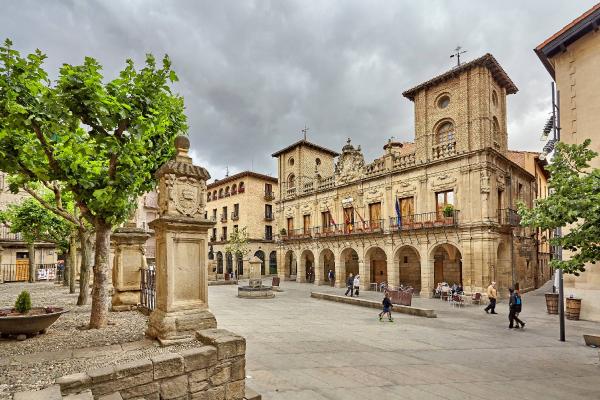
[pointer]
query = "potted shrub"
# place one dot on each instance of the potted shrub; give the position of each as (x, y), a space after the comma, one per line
(283, 232)
(448, 211)
(23, 320)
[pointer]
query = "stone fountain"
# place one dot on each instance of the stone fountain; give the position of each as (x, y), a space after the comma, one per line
(255, 288)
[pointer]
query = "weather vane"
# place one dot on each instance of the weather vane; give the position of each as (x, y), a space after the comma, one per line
(457, 55)
(305, 130)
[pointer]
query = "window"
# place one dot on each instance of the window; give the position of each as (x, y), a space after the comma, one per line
(442, 199)
(349, 218)
(268, 211)
(326, 219)
(241, 187)
(221, 193)
(291, 181)
(495, 131)
(236, 209)
(268, 188)
(268, 232)
(224, 214)
(291, 161)
(407, 206)
(445, 133)
(306, 224)
(214, 215)
(214, 196)
(494, 98)
(290, 225)
(214, 234)
(208, 196)
(443, 101)
(227, 191)
(234, 189)
(224, 233)
(405, 259)
(520, 191)
(318, 161)
(375, 211)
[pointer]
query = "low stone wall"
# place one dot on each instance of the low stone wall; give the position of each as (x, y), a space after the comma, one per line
(215, 370)
(419, 312)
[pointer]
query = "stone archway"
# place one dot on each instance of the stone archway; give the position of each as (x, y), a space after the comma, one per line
(348, 265)
(409, 265)
(375, 267)
(326, 263)
(219, 262)
(290, 265)
(261, 255)
(306, 272)
(447, 264)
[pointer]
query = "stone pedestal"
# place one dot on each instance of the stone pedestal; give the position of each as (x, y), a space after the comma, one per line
(129, 259)
(181, 251)
(255, 288)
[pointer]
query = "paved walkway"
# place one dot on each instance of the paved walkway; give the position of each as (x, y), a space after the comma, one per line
(303, 348)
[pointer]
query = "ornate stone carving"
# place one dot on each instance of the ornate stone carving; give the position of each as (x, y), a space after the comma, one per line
(405, 189)
(500, 182)
(373, 195)
(485, 181)
(289, 212)
(350, 164)
(443, 182)
(306, 209)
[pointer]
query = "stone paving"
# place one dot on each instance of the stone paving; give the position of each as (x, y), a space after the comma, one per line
(303, 348)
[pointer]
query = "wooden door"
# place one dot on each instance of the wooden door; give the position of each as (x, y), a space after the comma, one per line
(349, 219)
(374, 214)
(22, 269)
(438, 271)
(407, 210)
(306, 219)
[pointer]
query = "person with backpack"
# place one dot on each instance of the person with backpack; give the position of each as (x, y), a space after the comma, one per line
(514, 308)
(387, 308)
(356, 284)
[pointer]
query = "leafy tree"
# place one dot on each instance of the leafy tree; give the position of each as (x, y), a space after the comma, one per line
(36, 223)
(102, 140)
(238, 243)
(574, 202)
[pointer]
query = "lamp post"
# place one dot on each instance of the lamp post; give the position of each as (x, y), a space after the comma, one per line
(553, 125)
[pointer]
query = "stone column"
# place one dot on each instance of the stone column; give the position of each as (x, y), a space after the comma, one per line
(181, 251)
(393, 272)
(1, 271)
(129, 259)
(340, 276)
(255, 279)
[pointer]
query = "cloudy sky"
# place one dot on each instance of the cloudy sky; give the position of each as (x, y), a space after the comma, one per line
(253, 73)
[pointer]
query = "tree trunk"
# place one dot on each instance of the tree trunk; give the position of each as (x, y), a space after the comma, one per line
(101, 299)
(85, 240)
(67, 268)
(31, 249)
(72, 261)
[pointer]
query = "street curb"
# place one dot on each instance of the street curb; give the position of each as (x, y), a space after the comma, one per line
(419, 312)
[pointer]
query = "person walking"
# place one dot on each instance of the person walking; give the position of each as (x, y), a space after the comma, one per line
(387, 308)
(349, 285)
(356, 284)
(331, 277)
(491, 293)
(514, 308)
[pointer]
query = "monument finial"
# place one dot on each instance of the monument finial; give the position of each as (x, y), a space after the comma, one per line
(182, 144)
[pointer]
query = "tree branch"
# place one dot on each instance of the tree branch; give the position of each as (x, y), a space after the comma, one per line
(51, 161)
(58, 211)
(112, 166)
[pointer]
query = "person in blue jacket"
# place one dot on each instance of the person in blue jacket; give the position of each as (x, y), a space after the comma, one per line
(514, 308)
(387, 308)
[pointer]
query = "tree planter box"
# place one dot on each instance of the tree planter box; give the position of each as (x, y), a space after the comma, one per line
(36, 321)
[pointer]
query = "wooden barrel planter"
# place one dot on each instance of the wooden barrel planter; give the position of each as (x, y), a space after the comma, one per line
(552, 303)
(573, 308)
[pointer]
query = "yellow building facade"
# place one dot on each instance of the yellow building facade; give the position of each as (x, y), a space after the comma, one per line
(572, 57)
(244, 200)
(441, 209)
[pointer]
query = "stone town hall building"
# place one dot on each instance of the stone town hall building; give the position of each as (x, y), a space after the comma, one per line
(455, 187)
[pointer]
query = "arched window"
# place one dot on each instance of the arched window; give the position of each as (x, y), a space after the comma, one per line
(221, 193)
(229, 262)
(495, 131)
(261, 255)
(241, 187)
(494, 98)
(208, 196)
(445, 133)
(214, 196)
(234, 189)
(273, 263)
(219, 262)
(227, 191)
(291, 181)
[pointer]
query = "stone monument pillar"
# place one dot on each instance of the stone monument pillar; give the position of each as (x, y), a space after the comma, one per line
(129, 259)
(181, 251)
(254, 275)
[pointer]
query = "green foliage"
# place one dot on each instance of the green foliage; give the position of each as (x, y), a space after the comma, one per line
(238, 243)
(574, 202)
(23, 303)
(448, 210)
(102, 140)
(36, 223)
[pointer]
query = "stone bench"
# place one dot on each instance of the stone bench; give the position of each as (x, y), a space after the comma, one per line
(419, 312)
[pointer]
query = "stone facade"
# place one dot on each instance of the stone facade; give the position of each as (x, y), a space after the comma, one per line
(215, 369)
(572, 57)
(244, 200)
(456, 187)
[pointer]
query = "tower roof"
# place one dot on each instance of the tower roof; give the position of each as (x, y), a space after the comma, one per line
(304, 142)
(486, 60)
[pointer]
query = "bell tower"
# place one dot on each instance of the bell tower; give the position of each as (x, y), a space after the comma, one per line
(462, 110)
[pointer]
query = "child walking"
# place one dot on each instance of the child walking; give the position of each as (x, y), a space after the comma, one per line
(387, 308)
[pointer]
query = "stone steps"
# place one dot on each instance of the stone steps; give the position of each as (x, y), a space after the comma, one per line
(53, 393)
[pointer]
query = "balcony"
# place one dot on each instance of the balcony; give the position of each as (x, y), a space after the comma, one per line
(269, 217)
(291, 192)
(443, 150)
(424, 220)
(223, 238)
(297, 234)
(223, 217)
(235, 216)
(268, 236)
(269, 196)
(508, 217)
(213, 238)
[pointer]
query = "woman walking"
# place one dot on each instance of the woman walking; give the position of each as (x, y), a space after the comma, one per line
(356, 284)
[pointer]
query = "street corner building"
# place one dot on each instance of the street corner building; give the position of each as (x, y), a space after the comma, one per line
(439, 209)
(243, 200)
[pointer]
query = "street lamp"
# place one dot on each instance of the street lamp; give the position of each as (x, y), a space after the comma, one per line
(553, 124)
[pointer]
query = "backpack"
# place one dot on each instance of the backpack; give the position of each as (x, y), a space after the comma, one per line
(518, 300)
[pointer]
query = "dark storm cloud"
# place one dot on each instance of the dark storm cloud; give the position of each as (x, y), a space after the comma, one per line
(254, 73)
